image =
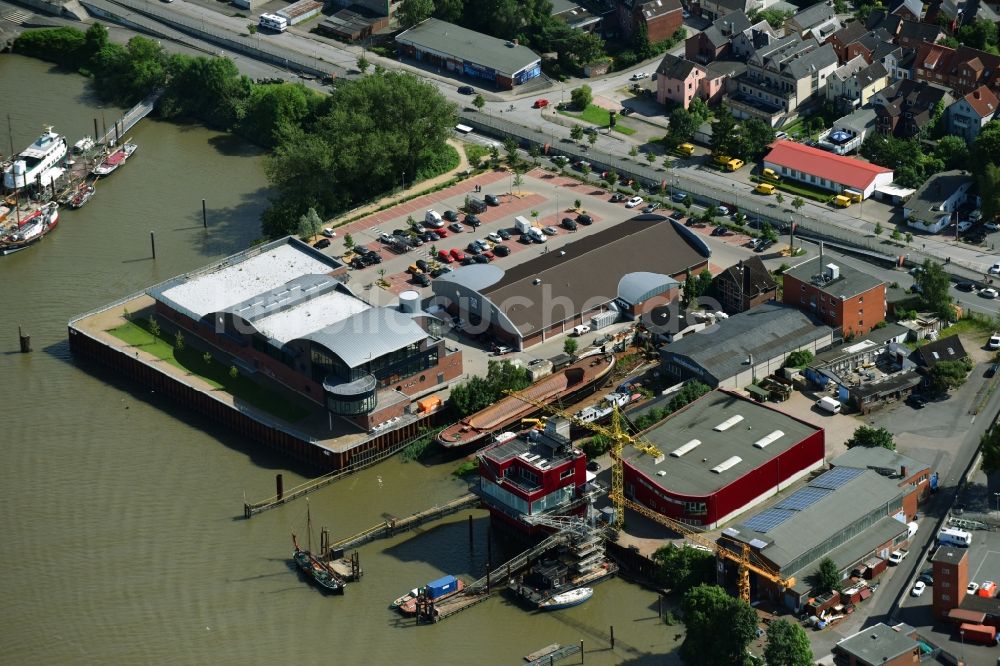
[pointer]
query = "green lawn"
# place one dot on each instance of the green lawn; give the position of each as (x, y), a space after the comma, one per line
(804, 191)
(475, 153)
(282, 404)
(598, 116)
(976, 328)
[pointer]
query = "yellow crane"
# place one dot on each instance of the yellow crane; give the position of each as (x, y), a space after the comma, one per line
(619, 438)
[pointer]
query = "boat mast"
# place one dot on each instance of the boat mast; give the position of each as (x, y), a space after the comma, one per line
(309, 528)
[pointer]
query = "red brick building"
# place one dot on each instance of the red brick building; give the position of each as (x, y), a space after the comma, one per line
(722, 455)
(879, 645)
(532, 474)
(963, 69)
(661, 17)
(951, 576)
(845, 298)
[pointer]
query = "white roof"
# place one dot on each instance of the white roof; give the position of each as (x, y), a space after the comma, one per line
(236, 282)
(309, 316)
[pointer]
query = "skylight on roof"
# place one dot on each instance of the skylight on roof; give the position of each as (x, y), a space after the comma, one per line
(728, 423)
(686, 448)
(769, 439)
(727, 464)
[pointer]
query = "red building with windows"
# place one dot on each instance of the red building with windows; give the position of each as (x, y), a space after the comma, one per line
(533, 473)
(722, 455)
(849, 300)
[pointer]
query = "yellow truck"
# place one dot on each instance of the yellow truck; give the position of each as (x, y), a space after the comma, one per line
(734, 165)
(764, 188)
(770, 174)
(841, 201)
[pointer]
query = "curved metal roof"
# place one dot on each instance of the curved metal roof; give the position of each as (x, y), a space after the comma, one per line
(637, 287)
(368, 335)
(475, 277)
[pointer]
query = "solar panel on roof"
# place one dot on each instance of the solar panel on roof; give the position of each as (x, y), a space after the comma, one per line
(804, 498)
(836, 477)
(768, 519)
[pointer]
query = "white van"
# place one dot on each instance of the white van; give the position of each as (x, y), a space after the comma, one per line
(580, 330)
(537, 235)
(433, 219)
(828, 404)
(952, 537)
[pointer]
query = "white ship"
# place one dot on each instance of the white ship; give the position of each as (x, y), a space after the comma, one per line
(32, 164)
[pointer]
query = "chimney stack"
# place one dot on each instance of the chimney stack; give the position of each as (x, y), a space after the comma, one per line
(902, 471)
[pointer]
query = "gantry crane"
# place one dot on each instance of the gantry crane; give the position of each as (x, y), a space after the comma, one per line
(619, 438)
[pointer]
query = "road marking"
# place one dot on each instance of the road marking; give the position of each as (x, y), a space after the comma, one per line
(17, 17)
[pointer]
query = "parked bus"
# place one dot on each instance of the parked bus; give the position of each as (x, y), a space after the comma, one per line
(952, 537)
(273, 22)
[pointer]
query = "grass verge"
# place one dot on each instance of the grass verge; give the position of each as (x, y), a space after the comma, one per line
(597, 116)
(475, 153)
(215, 373)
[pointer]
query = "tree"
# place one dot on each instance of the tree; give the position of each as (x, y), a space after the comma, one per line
(799, 358)
(154, 326)
(988, 180)
(952, 151)
(412, 12)
(592, 138)
(518, 179)
(179, 340)
(310, 223)
(272, 108)
(650, 157)
(787, 645)
(688, 201)
(986, 147)
(570, 345)
(946, 375)
(909, 237)
(612, 179)
(640, 42)
(798, 203)
(127, 75)
(479, 392)
(633, 151)
(827, 577)
(698, 108)
(683, 125)
(680, 569)
(478, 102)
(991, 450)
(933, 285)
(363, 64)
(706, 609)
(581, 97)
(980, 34)
(878, 229)
(252, 28)
(577, 203)
(348, 241)
(774, 17)
(494, 154)
(576, 132)
(510, 145)
(780, 198)
(869, 437)
(724, 133)
(449, 10)
(233, 372)
(757, 136)
(95, 39)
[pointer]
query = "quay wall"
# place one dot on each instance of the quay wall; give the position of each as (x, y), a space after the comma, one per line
(284, 440)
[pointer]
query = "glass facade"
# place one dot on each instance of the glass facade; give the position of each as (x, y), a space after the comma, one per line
(387, 369)
(504, 496)
(552, 500)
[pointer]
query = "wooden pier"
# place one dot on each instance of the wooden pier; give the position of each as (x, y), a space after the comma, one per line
(554, 653)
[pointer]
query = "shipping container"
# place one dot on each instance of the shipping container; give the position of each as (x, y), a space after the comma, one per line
(875, 567)
(602, 319)
(978, 633)
(442, 586)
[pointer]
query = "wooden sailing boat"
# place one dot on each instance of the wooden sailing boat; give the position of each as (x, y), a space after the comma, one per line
(312, 566)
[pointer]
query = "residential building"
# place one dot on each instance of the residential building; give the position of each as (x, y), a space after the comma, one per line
(575, 16)
(282, 311)
(678, 81)
(907, 107)
(845, 298)
(951, 576)
(879, 645)
(945, 349)
(908, 10)
(757, 36)
(821, 169)
(353, 23)
(723, 454)
(963, 69)
(852, 85)
(780, 78)
(897, 60)
(467, 53)
(640, 264)
(932, 207)
(818, 21)
(531, 474)
(715, 9)
(744, 285)
(848, 514)
(717, 75)
(716, 40)
(849, 132)
(747, 346)
(850, 34)
(914, 34)
(911, 475)
(661, 17)
(967, 115)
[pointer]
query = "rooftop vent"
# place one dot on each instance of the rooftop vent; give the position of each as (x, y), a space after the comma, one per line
(831, 271)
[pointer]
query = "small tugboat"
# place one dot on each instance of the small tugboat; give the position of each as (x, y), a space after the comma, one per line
(31, 229)
(412, 594)
(567, 599)
(82, 196)
(115, 159)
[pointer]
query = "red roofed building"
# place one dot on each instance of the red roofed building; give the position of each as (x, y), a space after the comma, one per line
(822, 169)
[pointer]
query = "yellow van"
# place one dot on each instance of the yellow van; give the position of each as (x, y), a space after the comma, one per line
(686, 149)
(734, 165)
(722, 159)
(842, 201)
(414, 270)
(764, 188)
(853, 195)
(770, 174)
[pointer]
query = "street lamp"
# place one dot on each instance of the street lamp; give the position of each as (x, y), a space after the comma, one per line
(403, 181)
(997, 495)
(961, 632)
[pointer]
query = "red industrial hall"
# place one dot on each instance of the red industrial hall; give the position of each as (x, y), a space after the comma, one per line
(722, 455)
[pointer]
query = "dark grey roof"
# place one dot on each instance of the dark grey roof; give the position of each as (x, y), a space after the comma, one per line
(945, 349)
(369, 335)
(924, 203)
(949, 554)
(878, 458)
(878, 644)
(469, 45)
(878, 336)
(850, 283)
(887, 386)
(872, 73)
(726, 27)
(675, 68)
(860, 121)
(915, 7)
(814, 15)
(918, 31)
(751, 274)
(474, 276)
(805, 64)
(349, 21)
(653, 9)
(690, 473)
(765, 332)
(834, 503)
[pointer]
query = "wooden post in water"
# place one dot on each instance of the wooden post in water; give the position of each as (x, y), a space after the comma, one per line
(612, 637)
(471, 544)
(204, 215)
(25, 341)
(152, 243)
(581, 651)
(279, 486)
(96, 135)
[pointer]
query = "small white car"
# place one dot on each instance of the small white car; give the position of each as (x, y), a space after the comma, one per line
(722, 210)
(897, 556)
(918, 588)
(972, 588)
(995, 268)
(633, 202)
(638, 76)
(494, 237)
(989, 292)
(994, 342)
(329, 233)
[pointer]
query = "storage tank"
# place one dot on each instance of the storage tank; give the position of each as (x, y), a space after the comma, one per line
(409, 301)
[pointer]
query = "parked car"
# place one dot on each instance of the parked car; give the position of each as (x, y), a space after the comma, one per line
(916, 401)
(927, 577)
(722, 211)
(568, 223)
(593, 466)
(617, 196)
(965, 286)
(445, 256)
(329, 233)
(992, 370)
(440, 270)
(492, 200)
(989, 292)
(501, 250)
(918, 588)
(481, 259)
(720, 231)
(357, 263)
(897, 556)
(450, 215)
(493, 236)
(503, 234)
(500, 350)
(638, 76)
(473, 249)
(442, 233)
(322, 243)
(633, 202)
(995, 268)
(551, 231)
(964, 225)
(371, 257)
(994, 341)
(385, 238)
(972, 587)
(988, 589)
(466, 90)
(584, 219)
(457, 254)
(455, 227)
(763, 245)
(540, 103)
(422, 279)
(472, 221)
(992, 226)
(651, 207)
(678, 197)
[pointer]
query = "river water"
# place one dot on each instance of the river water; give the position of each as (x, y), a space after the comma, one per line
(123, 538)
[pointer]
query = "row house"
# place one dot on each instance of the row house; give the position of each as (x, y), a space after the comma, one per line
(757, 36)
(716, 9)
(963, 69)
(853, 85)
(967, 115)
(904, 32)
(715, 41)
(911, 10)
(780, 78)
(678, 80)
(818, 21)
(905, 107)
